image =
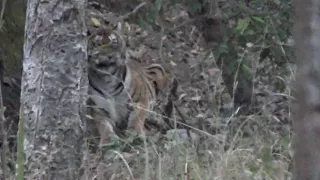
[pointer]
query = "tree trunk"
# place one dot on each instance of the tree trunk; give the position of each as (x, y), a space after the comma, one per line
(54, 88)
(238, 82)
(307, 113)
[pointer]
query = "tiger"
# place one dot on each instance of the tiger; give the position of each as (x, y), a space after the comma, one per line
(123, 91)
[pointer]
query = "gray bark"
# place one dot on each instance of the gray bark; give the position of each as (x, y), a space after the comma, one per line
(307, 113)
(54, 88)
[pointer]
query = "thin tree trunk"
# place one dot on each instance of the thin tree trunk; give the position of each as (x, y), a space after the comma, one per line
(238, 82)
(307, 113)
(54, 88)
(3, 131)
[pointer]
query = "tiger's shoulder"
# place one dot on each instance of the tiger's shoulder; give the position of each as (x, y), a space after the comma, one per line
(149, 78)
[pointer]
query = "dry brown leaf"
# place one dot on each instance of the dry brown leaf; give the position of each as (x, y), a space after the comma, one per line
(200, 115)
(213, 71)
(194, 51)
(182, 96)
(196, 98)
(173, 63)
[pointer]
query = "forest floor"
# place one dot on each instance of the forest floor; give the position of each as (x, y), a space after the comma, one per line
(223, 145)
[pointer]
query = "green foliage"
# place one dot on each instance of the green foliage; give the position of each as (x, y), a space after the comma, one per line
(243, 25)
(265, 24)
(194, 6)
(154, 12)
(254, 31)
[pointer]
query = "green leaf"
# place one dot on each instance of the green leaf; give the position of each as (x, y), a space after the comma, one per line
(195, 6)
(95, 21)
(243, 25)
(266, 156)
(230, 66)
(151, 16)
(141, 22)
(258, 19)
(158, 4)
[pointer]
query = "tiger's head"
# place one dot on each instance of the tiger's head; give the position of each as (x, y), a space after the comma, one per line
(112, 50)
(107, 66)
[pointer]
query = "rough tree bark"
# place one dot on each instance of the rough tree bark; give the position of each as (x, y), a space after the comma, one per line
(54, 88)
(307, 113)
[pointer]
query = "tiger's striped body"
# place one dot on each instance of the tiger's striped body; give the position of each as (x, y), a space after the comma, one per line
(124, 93)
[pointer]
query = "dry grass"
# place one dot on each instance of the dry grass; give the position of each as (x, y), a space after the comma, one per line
(262, 156)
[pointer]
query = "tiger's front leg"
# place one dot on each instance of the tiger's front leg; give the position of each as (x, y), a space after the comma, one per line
(104, 127)
(137, 117)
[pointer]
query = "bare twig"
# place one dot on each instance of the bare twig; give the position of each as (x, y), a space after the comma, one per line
(161, 44)
(2, 12)
(186, 171)
(188, 22)
(20, 157)
(134, 11)
(184, 122)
